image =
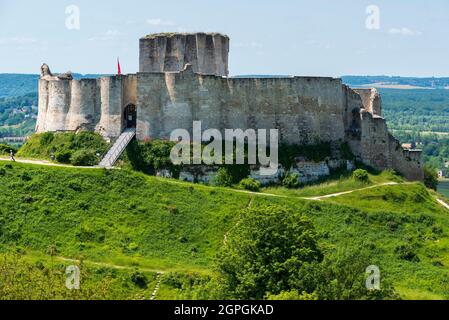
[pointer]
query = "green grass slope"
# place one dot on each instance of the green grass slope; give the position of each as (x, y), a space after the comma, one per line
(83, 148)
(114, 216)
(132, 220)
(409, 230)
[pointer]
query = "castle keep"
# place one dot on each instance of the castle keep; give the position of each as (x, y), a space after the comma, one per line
(183, 78)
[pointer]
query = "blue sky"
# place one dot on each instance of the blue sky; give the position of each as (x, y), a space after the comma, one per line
(319, 37)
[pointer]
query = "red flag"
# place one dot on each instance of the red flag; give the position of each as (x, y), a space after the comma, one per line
(118, 66)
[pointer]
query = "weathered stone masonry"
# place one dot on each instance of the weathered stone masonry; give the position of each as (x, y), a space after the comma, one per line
(182, 79)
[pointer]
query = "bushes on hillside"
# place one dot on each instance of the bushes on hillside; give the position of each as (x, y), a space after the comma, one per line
(291, 180)
(273, 253)
(69, 148)
(150, 156)
(430, 178)
(46, 138)
(223, 178)
(6, 149)
(317, 152)
(84, 158)
(63, 156)
(361, 175)
(250, 184)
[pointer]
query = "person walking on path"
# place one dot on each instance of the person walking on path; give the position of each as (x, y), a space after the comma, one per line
(11, 156)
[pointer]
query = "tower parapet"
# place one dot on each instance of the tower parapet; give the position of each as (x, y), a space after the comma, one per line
(170, 52)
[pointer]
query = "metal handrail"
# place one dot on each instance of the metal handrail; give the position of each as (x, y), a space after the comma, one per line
(118, 147)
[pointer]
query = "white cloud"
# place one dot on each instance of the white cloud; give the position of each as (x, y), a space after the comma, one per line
(160, 22)
(404, 32)
(107, 36)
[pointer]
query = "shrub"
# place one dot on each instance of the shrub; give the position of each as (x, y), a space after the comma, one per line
(6, 149)
(407, 252)
(84, 158)
(223, 178)
(430, 178)
(291, 180)
(63, 156)
(341, 276)
(139, 279)
(360, 175)
(46, 138)
(250, 184)
(25, 176)
(88, 140)
(315, 152)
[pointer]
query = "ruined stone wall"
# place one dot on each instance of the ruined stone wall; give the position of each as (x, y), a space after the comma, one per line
(407, 162)
(375, 149)
(371, 100)
(206, 52)
(367, 135)
(86, 104)
(305, 110)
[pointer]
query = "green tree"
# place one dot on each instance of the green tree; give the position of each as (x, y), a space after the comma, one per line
(430, 178)
(223, 178)
(266, 251)
(360, 175)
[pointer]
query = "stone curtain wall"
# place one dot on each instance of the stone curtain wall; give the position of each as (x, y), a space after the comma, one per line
(206, 52)
(305, 110)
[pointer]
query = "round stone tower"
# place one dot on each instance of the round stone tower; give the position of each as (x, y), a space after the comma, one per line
(170, 52)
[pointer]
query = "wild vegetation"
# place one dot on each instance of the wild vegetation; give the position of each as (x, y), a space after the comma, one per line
(25, 277)
(146, 224)
(81, 149)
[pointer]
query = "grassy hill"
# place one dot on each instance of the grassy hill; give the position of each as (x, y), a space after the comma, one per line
(136, 225)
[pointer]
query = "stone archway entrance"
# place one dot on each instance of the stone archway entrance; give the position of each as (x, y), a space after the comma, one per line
(130, 115)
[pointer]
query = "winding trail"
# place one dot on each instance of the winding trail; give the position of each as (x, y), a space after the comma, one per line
(444, 204)
(333, 195)
(46, 163)
(108, 265)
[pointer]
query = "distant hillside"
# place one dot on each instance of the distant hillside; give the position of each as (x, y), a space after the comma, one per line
(17, 84)
(398, 82)
(14, 84)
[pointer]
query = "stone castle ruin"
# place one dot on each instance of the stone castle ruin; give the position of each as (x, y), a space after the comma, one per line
(183, 78)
